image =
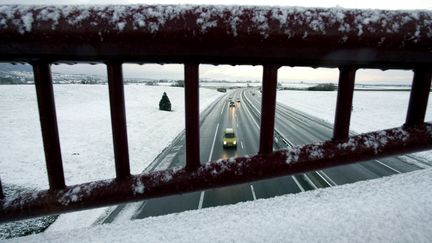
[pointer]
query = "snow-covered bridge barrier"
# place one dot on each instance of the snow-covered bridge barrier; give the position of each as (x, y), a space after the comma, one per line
(217, 34)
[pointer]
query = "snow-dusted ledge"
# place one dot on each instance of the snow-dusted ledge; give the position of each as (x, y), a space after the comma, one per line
(390, 209)
(290, 22)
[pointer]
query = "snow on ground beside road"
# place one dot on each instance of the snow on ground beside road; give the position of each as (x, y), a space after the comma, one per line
(85, 130)
(372, 110)
(389, 209)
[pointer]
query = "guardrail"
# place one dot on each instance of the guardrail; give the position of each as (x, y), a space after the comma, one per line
(192, 35)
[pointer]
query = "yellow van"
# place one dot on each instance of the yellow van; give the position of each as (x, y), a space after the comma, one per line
(229, 139)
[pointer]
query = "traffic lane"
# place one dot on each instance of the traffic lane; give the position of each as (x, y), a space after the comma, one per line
(311, 134)
(316, 131)
(248, 131)
(306, 134)
(175, 153)
(305, 128)
(188, 201)
(396, 163)
(275, 187)
(372, 169)
(319, 132)
(168, 205)
(305, 181)
(230, 194)
(210, 131)
(264, 188)
(227, 120)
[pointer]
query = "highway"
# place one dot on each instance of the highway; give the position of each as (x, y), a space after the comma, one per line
(292, 127)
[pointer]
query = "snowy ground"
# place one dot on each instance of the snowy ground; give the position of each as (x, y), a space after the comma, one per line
(85, 130)
(372, 110)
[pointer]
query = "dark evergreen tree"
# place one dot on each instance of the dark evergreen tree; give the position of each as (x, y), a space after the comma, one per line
(164, 103)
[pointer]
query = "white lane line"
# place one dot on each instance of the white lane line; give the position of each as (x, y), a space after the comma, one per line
(250, 115)
(213, 144)
(323, 176)
(289, 142)
(241, 143)
(253, 192)
(222, 109)
(309, 181)
(328, 178)
(381, 163)
(201, 200)
(298, 183)
(324, 179)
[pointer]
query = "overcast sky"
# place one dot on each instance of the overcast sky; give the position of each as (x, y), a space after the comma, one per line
(224, 72)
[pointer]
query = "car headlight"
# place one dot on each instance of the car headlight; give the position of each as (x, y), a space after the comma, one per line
(224, 142)
(234, 142)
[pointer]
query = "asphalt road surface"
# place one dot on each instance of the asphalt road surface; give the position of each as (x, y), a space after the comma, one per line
(292, 127)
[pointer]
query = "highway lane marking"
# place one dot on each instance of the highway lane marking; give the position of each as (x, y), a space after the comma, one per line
(325, 125)
(328, 178)
(290, 144)
(201, 200)
(135, 213)
(381, 163)
(222, 109)
(298, 183)
(250, 115)
(253, 192)
(283, 137)
(241, 143)
(324, 179)
(213, 144)
(323, 176)
(310, 181)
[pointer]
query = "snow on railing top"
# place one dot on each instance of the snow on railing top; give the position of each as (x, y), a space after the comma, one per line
(292, 22)
(250, 35)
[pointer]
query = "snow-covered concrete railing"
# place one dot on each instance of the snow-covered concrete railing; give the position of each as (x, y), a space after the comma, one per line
(217, 34)
(191, 35)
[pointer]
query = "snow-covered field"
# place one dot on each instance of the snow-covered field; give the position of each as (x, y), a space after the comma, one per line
(372, 110)
(85, 130)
